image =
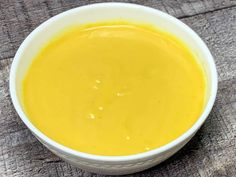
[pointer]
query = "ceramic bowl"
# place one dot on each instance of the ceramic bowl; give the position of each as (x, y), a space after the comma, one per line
(113, 165)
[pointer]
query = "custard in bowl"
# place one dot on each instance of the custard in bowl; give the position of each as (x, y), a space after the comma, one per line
(115, 93)
(114, 89)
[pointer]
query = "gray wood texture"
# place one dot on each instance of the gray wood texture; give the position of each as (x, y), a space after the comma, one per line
(212, 152)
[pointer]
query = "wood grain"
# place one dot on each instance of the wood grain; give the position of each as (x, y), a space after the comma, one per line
(212, 152)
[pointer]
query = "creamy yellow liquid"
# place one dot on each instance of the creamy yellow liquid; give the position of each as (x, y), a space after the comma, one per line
(114, 89)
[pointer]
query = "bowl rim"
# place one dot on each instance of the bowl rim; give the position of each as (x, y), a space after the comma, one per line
(66, 150)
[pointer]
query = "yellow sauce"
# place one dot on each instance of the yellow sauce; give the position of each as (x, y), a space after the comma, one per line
(114, 88)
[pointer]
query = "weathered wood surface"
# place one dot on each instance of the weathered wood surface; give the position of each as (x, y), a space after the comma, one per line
(212, 152)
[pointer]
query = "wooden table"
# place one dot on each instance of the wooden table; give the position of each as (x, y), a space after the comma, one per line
(212, 152)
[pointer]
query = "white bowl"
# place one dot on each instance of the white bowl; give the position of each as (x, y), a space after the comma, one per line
(102, 12)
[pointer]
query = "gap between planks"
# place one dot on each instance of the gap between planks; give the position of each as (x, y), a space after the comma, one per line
(204, 13)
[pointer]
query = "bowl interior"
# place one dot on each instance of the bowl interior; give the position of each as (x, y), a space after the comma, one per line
(106, 12)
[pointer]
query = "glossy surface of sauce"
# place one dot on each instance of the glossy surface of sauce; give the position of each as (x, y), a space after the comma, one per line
(114, 89)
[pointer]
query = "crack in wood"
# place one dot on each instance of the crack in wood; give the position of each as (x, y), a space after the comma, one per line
(207, 12)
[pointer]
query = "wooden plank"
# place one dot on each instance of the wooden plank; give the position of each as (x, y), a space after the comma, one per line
(19, 17)
(212, 152)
